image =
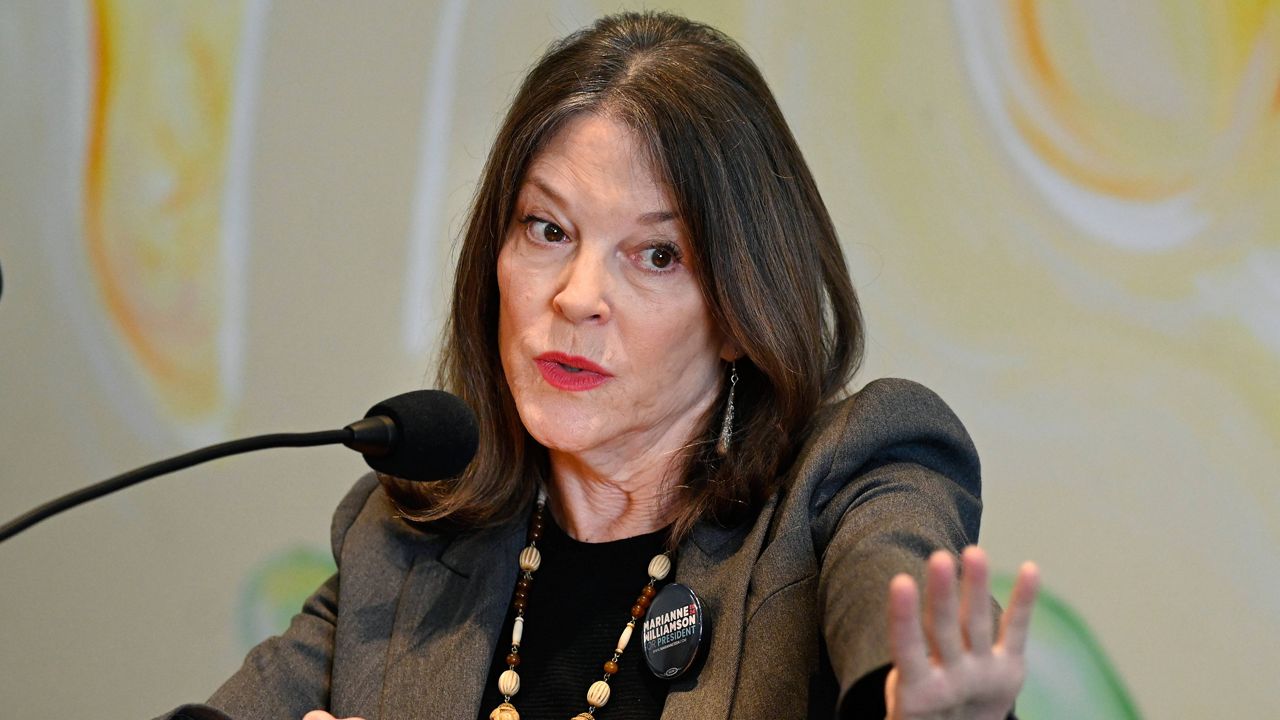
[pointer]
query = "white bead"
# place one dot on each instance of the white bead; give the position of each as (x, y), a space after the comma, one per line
(598, 695)
(505, 711)
(530, 559)
(517, 631)
(659, 566)
(509, 683)
(624, 638)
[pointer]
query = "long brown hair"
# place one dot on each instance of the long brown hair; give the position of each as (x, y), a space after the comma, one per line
(765, 252)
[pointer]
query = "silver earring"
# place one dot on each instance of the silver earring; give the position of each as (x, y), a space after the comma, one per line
(726, 427)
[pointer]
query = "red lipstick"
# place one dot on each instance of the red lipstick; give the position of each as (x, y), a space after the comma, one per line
(570, 372)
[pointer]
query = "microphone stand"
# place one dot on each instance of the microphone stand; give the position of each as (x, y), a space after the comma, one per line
(372, 435)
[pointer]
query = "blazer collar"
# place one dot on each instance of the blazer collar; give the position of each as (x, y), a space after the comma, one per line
(447, 620)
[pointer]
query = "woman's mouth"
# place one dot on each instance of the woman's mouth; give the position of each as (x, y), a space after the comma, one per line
(570, 372)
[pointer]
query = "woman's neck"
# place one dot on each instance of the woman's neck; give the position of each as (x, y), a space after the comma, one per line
(621, 489)
(594, 504)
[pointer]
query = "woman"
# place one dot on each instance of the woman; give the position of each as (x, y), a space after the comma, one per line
(654, 323)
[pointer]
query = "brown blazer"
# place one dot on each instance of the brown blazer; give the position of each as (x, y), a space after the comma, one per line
(407, 627)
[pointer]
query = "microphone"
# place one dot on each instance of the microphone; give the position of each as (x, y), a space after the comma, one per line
(421, 435)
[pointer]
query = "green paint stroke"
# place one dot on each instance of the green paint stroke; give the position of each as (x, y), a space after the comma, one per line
(1068, 674)
(274, 592)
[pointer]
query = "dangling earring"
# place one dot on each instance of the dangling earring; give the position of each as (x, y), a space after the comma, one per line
(726, 427)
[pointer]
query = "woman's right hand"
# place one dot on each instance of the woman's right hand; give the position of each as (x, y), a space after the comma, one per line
(323, 715)
(947, 664)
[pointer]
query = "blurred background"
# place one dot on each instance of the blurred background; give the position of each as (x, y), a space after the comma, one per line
(228, 218)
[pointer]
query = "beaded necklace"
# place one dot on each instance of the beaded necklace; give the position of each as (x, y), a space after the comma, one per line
(530, 560)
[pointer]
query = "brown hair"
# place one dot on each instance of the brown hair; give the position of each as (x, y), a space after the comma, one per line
(765, 252)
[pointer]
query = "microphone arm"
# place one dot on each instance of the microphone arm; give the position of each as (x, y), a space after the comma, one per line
(371, 436)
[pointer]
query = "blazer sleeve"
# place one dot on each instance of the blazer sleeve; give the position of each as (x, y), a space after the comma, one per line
(904, 481)
(286, 676)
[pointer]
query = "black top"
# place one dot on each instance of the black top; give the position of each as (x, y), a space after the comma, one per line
(578, 604)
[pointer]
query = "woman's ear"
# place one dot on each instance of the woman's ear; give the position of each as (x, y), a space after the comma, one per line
(730, 351)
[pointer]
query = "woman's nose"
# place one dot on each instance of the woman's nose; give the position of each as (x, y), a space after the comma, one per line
(582, 296)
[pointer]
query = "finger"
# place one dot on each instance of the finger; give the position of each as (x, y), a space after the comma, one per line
(975, 600)
(318, 715)
(906, 637)
(942, 608)
(1016, 620)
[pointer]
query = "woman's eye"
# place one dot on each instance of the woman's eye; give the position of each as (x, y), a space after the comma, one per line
(552, 232)
(660, 257)
(547, 231)
(542, 230)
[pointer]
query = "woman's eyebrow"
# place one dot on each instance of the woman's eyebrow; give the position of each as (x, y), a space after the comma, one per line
(546, 189)
(653, 217)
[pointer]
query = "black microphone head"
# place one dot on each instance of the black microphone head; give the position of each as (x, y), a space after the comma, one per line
(437, 436)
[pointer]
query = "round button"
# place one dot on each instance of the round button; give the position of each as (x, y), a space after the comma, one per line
(672, 631)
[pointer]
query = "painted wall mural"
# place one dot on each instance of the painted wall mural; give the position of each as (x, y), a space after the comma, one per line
(1069, 675)
(1066, 216)
(160, 95)
(156, 165)
(274, 590)
(1152, 127)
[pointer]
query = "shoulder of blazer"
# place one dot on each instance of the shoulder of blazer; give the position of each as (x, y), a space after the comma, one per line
(349, 509)
(888, 421)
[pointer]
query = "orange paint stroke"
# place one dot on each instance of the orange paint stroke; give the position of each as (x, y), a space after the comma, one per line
(202, 56)
(1064, 108)
(1028, 22)
(95, 188)
(1124, 188)
(1044, 78)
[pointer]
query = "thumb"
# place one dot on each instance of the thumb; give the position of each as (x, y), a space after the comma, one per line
(890, 693)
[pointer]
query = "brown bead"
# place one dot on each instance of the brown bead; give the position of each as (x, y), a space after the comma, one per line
(523, 583)
(518, 603)
(643, 602)
(636, 611)
(513, 659)
(610, 667)
(648, 592)
(522, 594)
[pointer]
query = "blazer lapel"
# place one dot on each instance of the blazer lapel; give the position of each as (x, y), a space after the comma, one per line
(716, 564)
(446, 625)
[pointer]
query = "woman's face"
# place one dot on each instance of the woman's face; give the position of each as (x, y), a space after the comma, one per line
(606, 341)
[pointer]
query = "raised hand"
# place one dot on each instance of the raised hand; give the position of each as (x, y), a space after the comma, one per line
(950, 666)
